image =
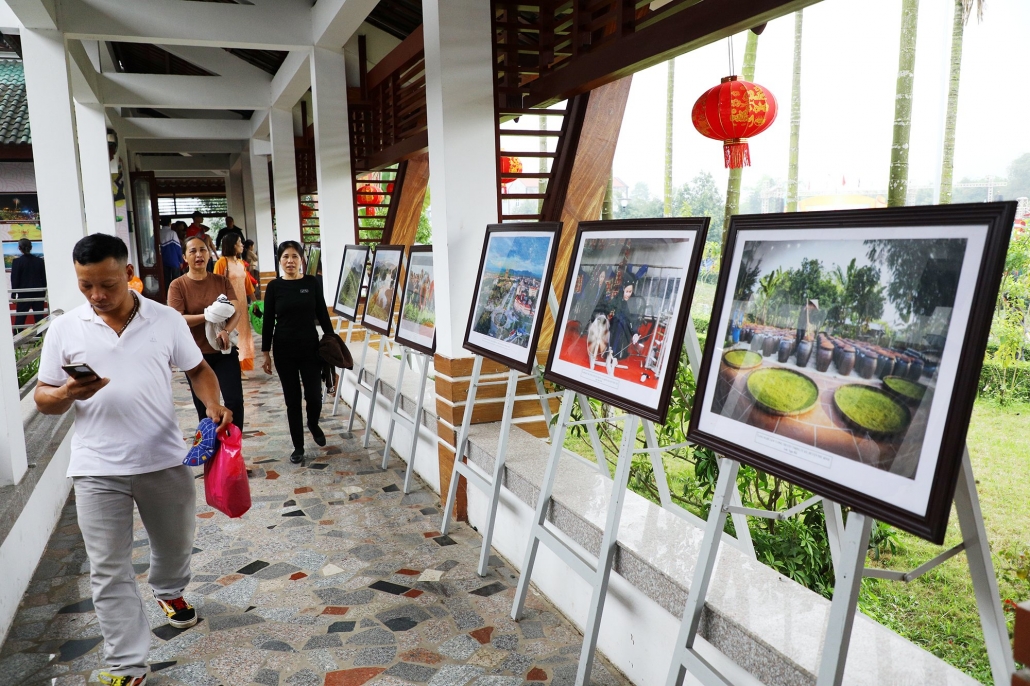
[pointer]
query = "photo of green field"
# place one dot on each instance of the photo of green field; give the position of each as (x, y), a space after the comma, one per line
(837, 344)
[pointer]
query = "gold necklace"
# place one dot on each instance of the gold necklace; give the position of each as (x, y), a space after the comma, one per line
(132, 315)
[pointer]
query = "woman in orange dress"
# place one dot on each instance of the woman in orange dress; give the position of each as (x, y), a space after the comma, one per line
(232, 266)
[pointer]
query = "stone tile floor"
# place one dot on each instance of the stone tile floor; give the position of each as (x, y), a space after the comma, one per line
(334, 577)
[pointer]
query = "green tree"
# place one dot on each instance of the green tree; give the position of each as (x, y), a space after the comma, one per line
(1019, 177)
(701, 198)
(641, 204)
(897, 189)
(424, 232)
(924, 272)
(669, 89)
(795, 120)
(733, 184)
(859, 295)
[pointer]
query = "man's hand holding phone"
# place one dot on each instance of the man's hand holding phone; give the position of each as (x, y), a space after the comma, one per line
(83, 383)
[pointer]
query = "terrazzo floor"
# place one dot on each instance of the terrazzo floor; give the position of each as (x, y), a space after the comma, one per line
(335, 577)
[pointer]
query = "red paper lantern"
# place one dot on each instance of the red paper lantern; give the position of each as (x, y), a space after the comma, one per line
(369, 195)
(510, 165)
(732, 112)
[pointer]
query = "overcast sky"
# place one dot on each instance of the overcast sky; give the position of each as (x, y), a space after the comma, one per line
(849, 71)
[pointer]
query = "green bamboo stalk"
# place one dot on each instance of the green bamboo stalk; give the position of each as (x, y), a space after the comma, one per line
(795, 119)
(669, 88)
(897, 189)
(951, 120)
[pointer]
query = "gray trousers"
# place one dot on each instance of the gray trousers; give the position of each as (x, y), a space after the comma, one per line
(167, 503)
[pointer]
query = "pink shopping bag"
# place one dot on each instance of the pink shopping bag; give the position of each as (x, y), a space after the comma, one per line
(225, 476)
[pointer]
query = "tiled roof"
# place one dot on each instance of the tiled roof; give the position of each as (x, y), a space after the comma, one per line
(14, 106)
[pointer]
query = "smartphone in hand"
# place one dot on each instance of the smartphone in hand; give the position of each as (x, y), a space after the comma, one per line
(80, 371)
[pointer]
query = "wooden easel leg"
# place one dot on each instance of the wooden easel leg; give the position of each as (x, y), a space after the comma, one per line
(375, 393)
(981, 569)
(542, 504)
(595, 440)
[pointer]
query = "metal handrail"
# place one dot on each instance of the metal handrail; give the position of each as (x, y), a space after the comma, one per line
(28, 337)
(37, 314)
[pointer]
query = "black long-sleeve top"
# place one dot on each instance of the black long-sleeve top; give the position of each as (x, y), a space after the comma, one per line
(291, 308)
(28, 271)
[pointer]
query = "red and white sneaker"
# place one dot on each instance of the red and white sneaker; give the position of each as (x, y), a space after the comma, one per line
(181, 614)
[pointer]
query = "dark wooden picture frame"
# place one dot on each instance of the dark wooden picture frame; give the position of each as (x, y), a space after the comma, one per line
(991, 221)
(347, 249)
(398, 336)
(528, 365)
(375, 287)
(623, 229)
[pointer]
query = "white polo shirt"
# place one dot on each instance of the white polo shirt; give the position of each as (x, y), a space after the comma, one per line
(129, 426)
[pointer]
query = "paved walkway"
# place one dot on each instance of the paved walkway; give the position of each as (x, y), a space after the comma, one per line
(334, 577)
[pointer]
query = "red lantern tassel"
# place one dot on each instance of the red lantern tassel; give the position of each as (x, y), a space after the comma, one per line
(736, 153)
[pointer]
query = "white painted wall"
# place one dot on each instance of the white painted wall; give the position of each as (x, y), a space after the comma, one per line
(21, 551)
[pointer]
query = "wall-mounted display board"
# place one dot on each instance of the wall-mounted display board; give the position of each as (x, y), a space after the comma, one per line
(844, 351)
(416, 327)
(510, 298)
(624, 310)
(11, 252)
(352, 276)
(382, 288)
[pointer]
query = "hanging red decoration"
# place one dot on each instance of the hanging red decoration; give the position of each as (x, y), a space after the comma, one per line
(510, 165)
(732, 112)
(368, 196)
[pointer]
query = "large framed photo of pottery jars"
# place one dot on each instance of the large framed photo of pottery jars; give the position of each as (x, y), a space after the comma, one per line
(844, 351)
(624, 311)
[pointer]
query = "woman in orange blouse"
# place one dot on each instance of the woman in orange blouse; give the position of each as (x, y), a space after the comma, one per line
(232, 266)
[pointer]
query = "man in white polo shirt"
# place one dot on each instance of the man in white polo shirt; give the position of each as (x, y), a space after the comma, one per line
(127, 447)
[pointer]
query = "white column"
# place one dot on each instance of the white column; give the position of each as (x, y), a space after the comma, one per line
(332, 163)
(262, 210)
(55, 153)
(237, 208)
(13, 456)
(250, 229)
(95, 164)
(284, 176)
(462, 157)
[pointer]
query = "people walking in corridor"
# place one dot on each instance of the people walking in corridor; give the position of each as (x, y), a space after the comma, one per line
(190, 295)
(127, 448)
(28, 271)
(292, 304)
(231, 266)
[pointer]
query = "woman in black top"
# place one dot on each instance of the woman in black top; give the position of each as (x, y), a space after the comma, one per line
(292, 304)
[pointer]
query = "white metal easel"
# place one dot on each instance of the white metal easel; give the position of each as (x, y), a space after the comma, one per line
(849, 569)
(414, 421)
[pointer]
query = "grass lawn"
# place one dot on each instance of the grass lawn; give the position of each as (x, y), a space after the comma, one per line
(938, 610)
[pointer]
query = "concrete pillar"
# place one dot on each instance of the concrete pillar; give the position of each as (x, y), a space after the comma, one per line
(250, 229)
(332, 163)
(54, 149)
(13, 456)
(284, 176)
(462, 154)
(262, 212)
(237, 206)
(95, 165)
(463, 181)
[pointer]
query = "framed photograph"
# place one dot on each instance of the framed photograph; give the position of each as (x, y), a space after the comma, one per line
(352, 278)
(416, 327)
(382, 288)
(845, 348)
(511, 292)
(11, 252)
(624, 311)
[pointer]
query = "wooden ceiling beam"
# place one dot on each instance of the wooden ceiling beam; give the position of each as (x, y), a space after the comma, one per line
(679, 33)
